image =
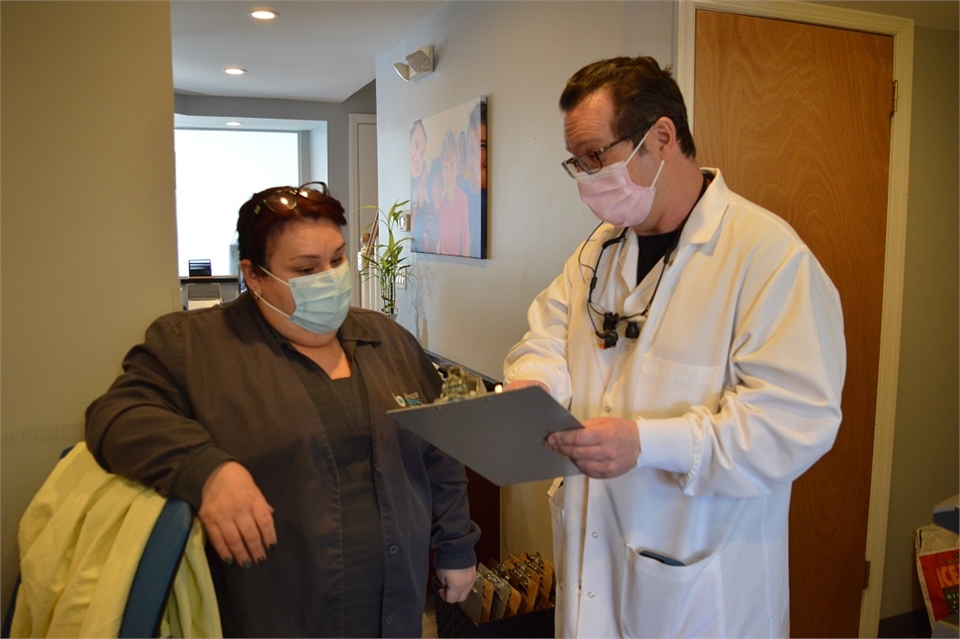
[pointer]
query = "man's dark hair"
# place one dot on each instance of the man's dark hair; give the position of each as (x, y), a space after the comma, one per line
(642, 93)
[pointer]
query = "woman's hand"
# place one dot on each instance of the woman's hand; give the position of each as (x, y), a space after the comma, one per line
(236, 516)
(456, 583)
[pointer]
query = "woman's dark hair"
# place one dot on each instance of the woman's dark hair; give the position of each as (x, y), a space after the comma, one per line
(642, 93)
(259, 223)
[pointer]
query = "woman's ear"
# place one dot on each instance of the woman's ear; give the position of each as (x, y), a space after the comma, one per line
(251, 275)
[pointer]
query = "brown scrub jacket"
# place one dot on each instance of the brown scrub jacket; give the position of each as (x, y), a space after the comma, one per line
(212, 385)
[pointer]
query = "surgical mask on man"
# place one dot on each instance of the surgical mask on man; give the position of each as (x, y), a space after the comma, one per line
(322, 299)
(612, 195)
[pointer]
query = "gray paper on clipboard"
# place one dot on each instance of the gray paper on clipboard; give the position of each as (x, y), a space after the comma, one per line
(498, 435)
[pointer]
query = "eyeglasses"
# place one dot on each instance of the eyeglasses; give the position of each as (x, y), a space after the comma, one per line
(284, 199)
(590, 162)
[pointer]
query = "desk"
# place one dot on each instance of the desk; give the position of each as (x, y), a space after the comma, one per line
(228, 285)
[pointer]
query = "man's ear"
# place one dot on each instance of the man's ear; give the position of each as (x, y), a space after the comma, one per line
(666, 136)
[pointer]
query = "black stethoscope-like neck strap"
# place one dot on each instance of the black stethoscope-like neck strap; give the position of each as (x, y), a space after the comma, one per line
(603, 247)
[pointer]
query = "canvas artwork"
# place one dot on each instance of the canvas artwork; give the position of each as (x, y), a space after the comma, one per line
(448, 178)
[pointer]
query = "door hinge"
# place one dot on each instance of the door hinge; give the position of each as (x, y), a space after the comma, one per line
(866, 574)
(893, 98)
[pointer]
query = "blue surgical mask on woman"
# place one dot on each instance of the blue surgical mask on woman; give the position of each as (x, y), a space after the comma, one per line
(322, 299)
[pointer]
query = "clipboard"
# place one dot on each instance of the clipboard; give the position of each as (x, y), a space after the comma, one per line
(498, 435)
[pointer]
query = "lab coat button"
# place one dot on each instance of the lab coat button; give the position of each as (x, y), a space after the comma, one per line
(591, 594)
(595, 534)
(394, 549)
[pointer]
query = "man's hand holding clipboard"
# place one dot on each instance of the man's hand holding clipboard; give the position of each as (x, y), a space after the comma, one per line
(605, 447)
(498, 435)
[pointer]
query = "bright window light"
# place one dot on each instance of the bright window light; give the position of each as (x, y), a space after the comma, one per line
(217, 171)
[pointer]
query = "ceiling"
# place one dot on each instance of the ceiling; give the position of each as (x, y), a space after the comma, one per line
(326, 50)
(322, 50)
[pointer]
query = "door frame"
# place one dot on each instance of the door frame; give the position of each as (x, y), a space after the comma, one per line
(355, 121)
(895, 242)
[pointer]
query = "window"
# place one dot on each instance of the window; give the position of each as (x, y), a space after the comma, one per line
(217, 171)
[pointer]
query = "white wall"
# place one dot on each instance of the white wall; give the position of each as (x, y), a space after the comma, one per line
(89, 241)
(520, 55)
(319, 160)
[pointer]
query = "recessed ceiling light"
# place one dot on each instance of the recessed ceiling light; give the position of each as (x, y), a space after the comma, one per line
(234, 71)
(263, 15)
(234, 123)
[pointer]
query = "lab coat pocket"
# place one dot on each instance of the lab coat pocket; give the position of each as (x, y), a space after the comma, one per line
(679, 372)
(665, 385)
(658, 600)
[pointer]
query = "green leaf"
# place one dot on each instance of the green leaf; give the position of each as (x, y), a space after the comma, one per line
(387, 260)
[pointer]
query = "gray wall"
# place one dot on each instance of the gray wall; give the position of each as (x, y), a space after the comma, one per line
(926, 439)
(89, 243)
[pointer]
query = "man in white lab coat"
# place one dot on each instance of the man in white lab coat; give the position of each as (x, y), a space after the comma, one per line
(701, 344)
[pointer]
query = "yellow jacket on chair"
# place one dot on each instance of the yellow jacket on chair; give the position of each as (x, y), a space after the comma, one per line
(81, 539)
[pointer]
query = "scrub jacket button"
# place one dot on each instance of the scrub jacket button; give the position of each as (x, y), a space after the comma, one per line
(591, 594)
(394, 549)
(595, 534)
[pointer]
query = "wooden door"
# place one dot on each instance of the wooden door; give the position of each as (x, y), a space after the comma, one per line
(797, 117)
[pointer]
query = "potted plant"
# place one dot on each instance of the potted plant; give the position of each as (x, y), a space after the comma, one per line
(385, 260)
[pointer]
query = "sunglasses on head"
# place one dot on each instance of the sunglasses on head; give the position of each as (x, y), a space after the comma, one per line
(284, 199)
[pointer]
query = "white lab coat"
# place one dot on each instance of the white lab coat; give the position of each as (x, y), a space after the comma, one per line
(734, 383)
